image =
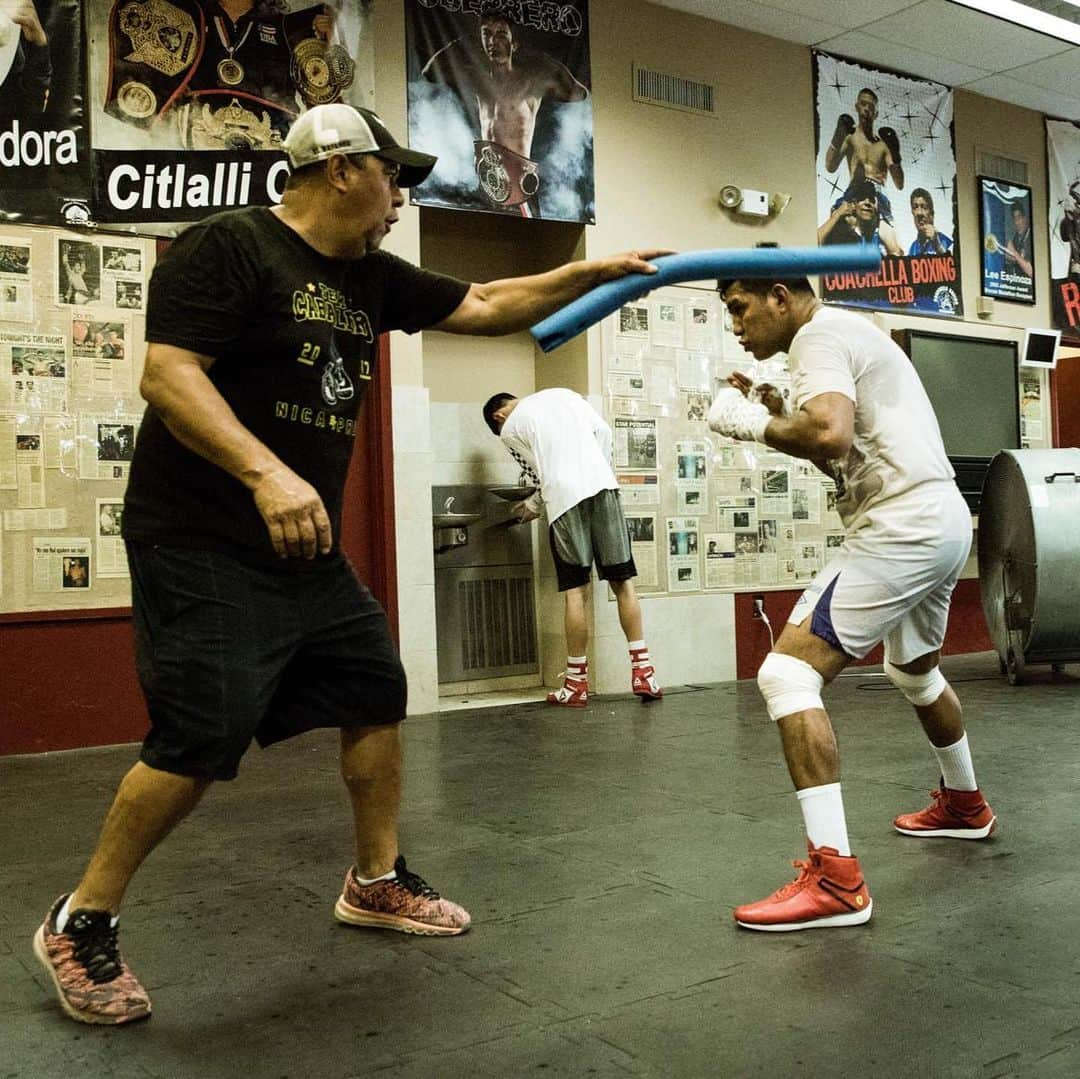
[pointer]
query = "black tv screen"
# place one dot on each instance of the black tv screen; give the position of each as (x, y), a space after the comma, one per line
(973, 384)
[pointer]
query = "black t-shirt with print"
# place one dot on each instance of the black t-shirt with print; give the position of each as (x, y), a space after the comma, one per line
(294, 335)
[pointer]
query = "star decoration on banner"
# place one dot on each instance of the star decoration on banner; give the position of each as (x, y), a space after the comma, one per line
(836, 84)
(934, 117)
(833, 186)
(944, 188)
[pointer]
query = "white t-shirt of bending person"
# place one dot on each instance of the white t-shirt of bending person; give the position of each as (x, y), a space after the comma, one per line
(897, 445)
(567, 445)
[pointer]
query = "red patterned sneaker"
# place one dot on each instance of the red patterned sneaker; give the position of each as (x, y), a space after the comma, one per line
(406, 904)
(829, 891)
(644, 684)
(573, 693)
(952, 815)
(92, 981)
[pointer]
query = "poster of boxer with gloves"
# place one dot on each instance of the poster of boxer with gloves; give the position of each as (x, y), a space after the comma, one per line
(886, 176)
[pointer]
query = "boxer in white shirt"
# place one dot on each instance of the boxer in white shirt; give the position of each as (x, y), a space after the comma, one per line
(564, 446)
(861, 415)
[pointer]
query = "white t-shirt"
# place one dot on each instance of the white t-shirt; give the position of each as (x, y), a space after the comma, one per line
(566, 443)
(897, 445)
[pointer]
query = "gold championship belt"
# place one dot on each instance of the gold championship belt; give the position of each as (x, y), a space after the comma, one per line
(991, 244)
(162, 35)
(321, 70)
(506, 178)
(153, 45)
(231, 127)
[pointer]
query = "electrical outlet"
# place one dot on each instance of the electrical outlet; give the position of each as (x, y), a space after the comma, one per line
(759, 606)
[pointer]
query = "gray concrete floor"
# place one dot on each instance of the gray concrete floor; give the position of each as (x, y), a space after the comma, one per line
(600, 853)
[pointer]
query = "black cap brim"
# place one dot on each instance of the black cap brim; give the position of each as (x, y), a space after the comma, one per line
(415, 166)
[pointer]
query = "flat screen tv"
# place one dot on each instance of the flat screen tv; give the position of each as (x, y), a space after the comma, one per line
(973, 384)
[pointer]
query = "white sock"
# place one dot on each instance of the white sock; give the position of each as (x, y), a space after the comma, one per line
(577, 666)
(957, 770)
(392, 875)
(823, 812)
(639, 654)
(65, 913)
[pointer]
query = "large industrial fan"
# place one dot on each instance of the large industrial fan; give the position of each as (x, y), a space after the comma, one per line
(1029, 557)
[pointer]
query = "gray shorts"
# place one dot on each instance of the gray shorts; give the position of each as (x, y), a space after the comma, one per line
(592, 531)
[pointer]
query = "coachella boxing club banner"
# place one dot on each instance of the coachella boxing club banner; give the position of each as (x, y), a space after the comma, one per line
(191, 99)
(886, 176)
(1063, 171)
(499, 89)
(44, 141)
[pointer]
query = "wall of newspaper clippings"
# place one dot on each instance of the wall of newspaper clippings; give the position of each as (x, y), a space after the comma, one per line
(705, 513)
(72, 333)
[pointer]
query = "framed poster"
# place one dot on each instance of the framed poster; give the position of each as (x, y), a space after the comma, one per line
(886, 178)
(1008, 271)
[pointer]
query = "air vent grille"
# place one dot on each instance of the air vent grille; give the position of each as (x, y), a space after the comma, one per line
(988, 163)
(498, 626)
(673, 92)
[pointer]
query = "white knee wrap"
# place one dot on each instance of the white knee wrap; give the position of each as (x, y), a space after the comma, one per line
(788, 685)
(920, 689)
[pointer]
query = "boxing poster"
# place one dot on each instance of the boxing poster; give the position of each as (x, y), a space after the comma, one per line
(190, 100)
(1008, 258)
(1063, 171)
(500, 90)
(44, 143)
(886, 178)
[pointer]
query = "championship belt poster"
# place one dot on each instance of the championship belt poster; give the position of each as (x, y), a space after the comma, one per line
(1063, 170)
(190, 99)
(886, 177)
(44, 142)
(500, 90)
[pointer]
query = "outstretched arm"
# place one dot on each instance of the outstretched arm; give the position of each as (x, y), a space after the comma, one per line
(448, 64)
(515, 303)
(559, 81)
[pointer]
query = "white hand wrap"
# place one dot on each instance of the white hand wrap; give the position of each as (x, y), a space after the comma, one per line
(733, 415)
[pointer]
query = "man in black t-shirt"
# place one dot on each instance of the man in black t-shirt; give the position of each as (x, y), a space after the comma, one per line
(262, 327)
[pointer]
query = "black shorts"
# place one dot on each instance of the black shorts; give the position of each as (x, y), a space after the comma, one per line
(226, 653)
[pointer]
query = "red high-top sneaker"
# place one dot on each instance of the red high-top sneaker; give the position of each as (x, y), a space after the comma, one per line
(952, 815)
(829, 891)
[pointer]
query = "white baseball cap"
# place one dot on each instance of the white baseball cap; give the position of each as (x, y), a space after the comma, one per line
(325, 130)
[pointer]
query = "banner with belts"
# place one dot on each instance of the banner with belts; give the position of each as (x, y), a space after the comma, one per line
(191, 99)
(1063, 173)
(886, 177)
(499, 90)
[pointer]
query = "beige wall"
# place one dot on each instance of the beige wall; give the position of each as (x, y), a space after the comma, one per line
(658, 175)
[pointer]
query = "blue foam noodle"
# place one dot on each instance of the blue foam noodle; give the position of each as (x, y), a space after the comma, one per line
(576, 317)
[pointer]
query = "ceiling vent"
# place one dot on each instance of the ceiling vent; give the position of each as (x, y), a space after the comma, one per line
(673, 92)
(987, 163)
